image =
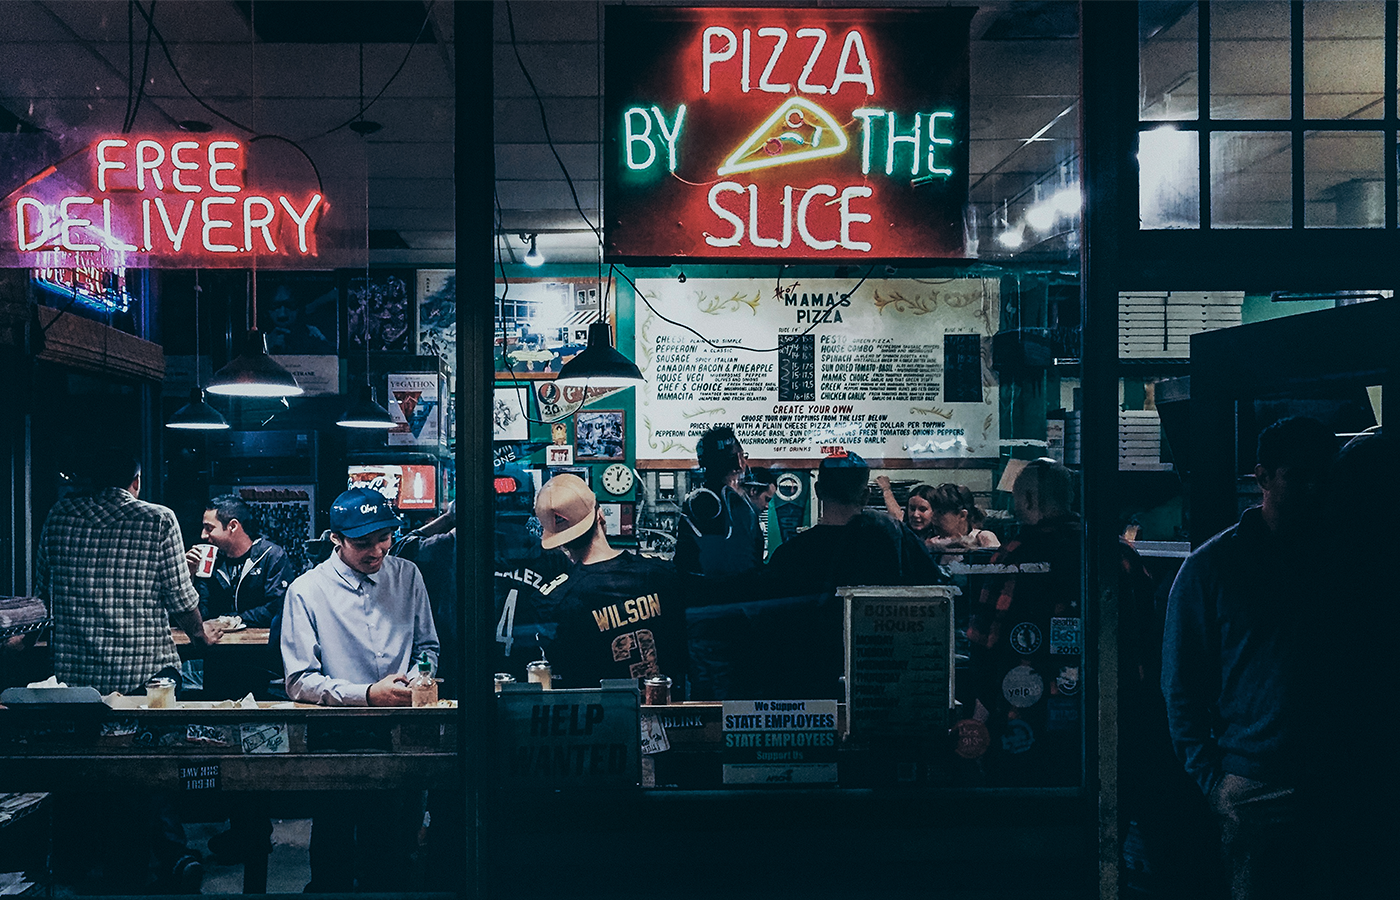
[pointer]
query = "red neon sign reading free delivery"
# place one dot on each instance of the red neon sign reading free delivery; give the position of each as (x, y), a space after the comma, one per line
(172, 198)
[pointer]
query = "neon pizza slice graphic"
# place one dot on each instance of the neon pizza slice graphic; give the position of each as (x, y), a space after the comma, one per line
(797, 131)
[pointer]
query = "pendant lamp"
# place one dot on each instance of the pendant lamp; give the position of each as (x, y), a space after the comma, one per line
(600, 364)
(197, 415)
(254, 373)
(365, 413)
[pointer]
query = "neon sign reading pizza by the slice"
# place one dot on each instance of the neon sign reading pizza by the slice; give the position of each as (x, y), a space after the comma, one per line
(785, 132)
(175, 198)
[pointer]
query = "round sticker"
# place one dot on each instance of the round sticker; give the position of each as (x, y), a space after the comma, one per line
(1018, 737)
(1067, 682)
(789, 486)
(1022, 687)
(972, 737)
(1025, 638)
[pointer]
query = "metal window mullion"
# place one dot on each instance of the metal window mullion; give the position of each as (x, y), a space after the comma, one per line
(1203, 108)
(1389, 117)
(1296, 93)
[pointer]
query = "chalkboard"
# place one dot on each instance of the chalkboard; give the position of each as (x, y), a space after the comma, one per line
(797, 368)
(962, 368)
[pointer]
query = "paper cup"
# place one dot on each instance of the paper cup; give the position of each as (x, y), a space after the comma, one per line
(208, 554)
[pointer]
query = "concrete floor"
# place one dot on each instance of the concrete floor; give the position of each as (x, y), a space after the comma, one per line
(288, 869)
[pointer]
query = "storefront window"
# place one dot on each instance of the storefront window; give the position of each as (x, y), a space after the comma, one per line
(1343, 60)
(1169, 184)
(1250, 180)
(1344, 183)
(1249, 52)
(1168, 61)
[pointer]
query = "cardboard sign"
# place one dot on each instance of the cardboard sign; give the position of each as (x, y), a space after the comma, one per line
(779, 741)
(799, 133)
(899, 660)
(569, 738)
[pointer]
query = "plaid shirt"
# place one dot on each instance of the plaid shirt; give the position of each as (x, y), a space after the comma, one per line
(113, 570)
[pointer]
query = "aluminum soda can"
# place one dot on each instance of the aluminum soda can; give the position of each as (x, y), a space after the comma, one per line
(656, 690)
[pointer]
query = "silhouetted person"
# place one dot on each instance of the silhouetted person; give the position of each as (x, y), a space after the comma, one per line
(1239, 660)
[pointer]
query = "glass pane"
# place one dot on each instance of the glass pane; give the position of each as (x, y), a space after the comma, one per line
(1343, 60)
(1344, 180)
(1251, 179)
(1249, 69)
(1167, 55)
(1169, 179)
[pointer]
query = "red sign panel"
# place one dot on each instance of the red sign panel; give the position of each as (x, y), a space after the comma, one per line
(785, 133)
(169, 200)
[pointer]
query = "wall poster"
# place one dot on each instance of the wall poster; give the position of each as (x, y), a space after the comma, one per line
(437, 315)
(543, 324)
(871, 371)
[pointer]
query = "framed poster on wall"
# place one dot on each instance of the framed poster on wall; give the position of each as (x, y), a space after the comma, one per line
(286, 514)
(600, 434)
(437, 315)
(542, 324)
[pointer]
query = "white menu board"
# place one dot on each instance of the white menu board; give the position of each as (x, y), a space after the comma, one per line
(898, 370)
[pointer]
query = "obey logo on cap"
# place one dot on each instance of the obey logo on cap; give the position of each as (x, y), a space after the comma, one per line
(362, 511)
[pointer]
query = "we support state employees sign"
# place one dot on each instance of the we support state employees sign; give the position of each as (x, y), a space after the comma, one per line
(899, 370)
(785, 133)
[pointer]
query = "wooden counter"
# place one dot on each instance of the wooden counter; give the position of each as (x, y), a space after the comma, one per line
(276, 746)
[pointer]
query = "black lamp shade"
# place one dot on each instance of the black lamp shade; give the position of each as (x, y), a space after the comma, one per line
(600, 364)
(197, 415)
(254, 373)
(365, 413)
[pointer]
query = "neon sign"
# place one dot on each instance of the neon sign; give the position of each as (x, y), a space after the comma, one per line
(786, 133)
(136, 201)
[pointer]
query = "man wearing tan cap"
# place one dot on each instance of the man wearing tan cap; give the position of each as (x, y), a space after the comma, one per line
(621, 613)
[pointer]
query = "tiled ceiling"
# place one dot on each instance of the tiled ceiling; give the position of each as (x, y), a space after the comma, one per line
(65, 64)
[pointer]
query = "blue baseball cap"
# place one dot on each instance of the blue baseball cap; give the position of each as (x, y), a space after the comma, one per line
(362, 511)
(846, 459)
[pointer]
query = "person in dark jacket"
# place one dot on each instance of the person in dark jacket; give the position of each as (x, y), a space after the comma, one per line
(1026, 637)
(719, 532)
(1235, 674)
(251, 573)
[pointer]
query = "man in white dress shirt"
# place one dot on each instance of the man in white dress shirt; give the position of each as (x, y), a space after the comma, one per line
(352, 629)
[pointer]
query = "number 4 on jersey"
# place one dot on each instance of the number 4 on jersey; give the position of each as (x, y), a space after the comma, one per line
(505, 628)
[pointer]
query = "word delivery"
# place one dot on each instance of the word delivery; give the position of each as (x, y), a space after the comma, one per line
(789, 133)
(171, 198)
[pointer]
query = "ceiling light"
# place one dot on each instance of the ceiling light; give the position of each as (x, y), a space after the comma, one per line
(365, 413)
(533, 257)
(254, 373)
(599, 364)
(1067, 201)
(197, 415)
(1041, 217)
(1012, 238)
(364, 126)
(196, 126)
